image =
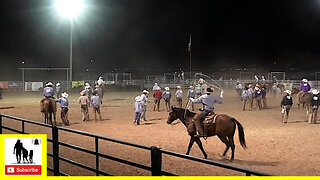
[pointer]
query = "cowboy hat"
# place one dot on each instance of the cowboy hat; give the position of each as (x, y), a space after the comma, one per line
(256, 88)
(64, 94)
(87, 84)
(49, 84)
(315, 91)
(304, 80)
(166, 88)
(178, 87)
(209, 90)
(83, 92)
(58, 84)
(191, 87)
(145, 91)
(138, 98)
(288, 92)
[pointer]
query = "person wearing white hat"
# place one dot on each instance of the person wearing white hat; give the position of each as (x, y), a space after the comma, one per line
(286, 105)
(239, 89)
(263, 80)
(314, 105)
(95, 104)
(155, 87)
(179, 96)
(166, 95)
(256, 79)
(304, 87)
(144, 100)
(100, 81)
(157, 95)
(137, 110)
(84, 105)
(58, 90)
(64, 107)
(88, 91)
(191, 94)
(208, 101)
(48, 93)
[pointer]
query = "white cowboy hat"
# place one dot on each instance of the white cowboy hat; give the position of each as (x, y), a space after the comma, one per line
(49, 84)
(256, 88)
(138, 98)
(158, 88)
(304, 80)
(145, 91)
(83, 92)
(58, 84)
(100, 77)
(315, 91)
(64, 94)
(155, 83)
(166, 88)
(191, 87)
(178, 87)
(87, 84)
(288, 92)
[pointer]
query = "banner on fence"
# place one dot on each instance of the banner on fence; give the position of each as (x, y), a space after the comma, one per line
(76, 84)
(15, 85)
(4, 84)
(23, 155)
(33, 86)
(287, 86)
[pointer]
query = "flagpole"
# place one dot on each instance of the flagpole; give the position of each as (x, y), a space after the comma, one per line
(190, 59)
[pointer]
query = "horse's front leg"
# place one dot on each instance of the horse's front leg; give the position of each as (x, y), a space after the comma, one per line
(190, 145)
(198, 141)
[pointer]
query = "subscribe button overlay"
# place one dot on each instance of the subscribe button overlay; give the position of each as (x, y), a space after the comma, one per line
(24, 154)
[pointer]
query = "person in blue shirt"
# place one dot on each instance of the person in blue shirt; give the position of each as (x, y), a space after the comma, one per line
(137, 110)
(64, 107)
(48, 93)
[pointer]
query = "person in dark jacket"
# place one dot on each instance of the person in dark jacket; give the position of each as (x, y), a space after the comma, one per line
(314, 105)
(286, 105)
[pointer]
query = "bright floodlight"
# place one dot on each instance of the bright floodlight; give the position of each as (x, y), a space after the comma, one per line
(69, 8)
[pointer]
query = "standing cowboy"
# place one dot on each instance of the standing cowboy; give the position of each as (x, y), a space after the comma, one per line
(58, 90)
(144, 100)
(251, 95)
(166, 95)
(64, 107)
(208, 101)
(137, 110)
(258, 97)
(48, 92)
(274, 89)
(286, 105)
(314, 105)
(179, 96)
(246, 98)
(191, 94)
(256, 79)
(88, 90)
(95, 104)
(264, 97)
(157, 94)
(239, 89)
(198, 90)
(84, 105)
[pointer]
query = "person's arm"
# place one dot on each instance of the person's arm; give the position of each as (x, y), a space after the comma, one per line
(199, 100)
(282, 102)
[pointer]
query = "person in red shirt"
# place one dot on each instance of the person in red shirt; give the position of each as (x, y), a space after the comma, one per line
(157, 94)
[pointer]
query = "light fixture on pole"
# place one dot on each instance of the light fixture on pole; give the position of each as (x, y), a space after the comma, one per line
(70, 9)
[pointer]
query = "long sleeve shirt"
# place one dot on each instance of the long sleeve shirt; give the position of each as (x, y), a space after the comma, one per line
(144, 99)
(157, 94)
(166, 95)
(305, 87)
(286, 100)
(208, 101)
(63, 102)
(191, 94)
(48, 92)
(315, 101)
(245, 94)
(83, 100)
(95, 101)
(258, 93)
(179, 94)
(137, 107)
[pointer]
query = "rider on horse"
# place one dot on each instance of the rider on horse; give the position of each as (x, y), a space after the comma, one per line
(48, 93)
(304, 87)
(208, 100)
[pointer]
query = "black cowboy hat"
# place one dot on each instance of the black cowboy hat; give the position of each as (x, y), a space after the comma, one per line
(209, 89)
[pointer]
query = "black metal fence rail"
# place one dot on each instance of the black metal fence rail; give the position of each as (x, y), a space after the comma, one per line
(156, 153)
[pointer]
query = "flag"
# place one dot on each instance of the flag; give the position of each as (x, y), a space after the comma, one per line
(189, 45)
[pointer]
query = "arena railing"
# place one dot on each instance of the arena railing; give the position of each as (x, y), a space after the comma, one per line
(156, 153)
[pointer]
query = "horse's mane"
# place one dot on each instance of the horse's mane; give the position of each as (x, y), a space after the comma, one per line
(186, 111)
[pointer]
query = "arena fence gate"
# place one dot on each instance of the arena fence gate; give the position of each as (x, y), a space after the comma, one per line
(156, 153)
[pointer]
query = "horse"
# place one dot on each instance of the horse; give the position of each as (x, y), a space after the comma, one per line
(294, 91)
(49, 109)
(224, 127)
(281, 87)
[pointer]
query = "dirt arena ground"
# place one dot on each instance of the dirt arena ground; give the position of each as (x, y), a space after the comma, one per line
(273, 147)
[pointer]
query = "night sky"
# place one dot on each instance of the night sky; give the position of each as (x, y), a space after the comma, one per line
(140, 35)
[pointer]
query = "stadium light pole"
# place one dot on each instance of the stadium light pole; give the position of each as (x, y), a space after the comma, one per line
(69, 9)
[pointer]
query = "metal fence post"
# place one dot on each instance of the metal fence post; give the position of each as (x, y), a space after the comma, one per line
(55, 147)
(97, 155)
(0, 123)
(156, 161)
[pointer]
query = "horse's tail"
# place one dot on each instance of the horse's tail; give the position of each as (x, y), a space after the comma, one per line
(241, 133)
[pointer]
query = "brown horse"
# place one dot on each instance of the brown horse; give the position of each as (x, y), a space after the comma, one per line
(224, 127)
(294, 91)
(49, 109)
(281, 87)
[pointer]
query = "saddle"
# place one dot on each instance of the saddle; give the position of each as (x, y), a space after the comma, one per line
(209, 120)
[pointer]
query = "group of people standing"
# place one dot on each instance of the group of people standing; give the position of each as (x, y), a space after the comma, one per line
(256, 94)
